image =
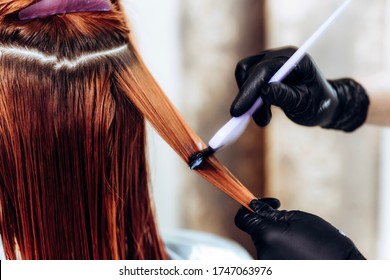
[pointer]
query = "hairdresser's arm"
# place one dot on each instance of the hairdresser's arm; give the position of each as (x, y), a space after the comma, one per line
(378, 87)
(294, 235)
(305, 96)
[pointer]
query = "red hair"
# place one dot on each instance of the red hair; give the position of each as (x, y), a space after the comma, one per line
(73, 178)
(73, 174)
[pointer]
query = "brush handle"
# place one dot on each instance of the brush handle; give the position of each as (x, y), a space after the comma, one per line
(233, 129)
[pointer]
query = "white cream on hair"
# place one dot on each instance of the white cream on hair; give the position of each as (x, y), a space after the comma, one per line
(59, 63)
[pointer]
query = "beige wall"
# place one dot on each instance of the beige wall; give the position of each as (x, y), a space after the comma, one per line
(332, 174)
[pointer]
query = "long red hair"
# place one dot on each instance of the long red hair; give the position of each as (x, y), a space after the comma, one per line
(73, 178)
(73, 174)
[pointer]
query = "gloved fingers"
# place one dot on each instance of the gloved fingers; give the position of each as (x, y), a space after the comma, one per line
(263, 115)
(255, 84)
(243, 67)
(252, 223)
(262, 221)
(273, 202)
(281, 95)
(264, 210)
(305, 67)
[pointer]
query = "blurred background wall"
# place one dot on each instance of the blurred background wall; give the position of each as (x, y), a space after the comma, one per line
(192, 47)
(332, 174)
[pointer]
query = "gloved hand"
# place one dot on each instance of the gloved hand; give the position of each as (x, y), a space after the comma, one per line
(305, 96)
(293, 235)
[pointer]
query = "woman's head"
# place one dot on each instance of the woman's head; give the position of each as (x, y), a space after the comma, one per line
(73, 178)
(73, 97)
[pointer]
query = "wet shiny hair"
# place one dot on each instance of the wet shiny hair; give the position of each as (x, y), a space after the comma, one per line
(73, 174)
(74, 96)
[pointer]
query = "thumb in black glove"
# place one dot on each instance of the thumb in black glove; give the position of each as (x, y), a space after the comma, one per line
(305, 96)
(294, 235)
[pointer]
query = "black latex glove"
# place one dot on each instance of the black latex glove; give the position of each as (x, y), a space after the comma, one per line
(305, 96)
(294, 235)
